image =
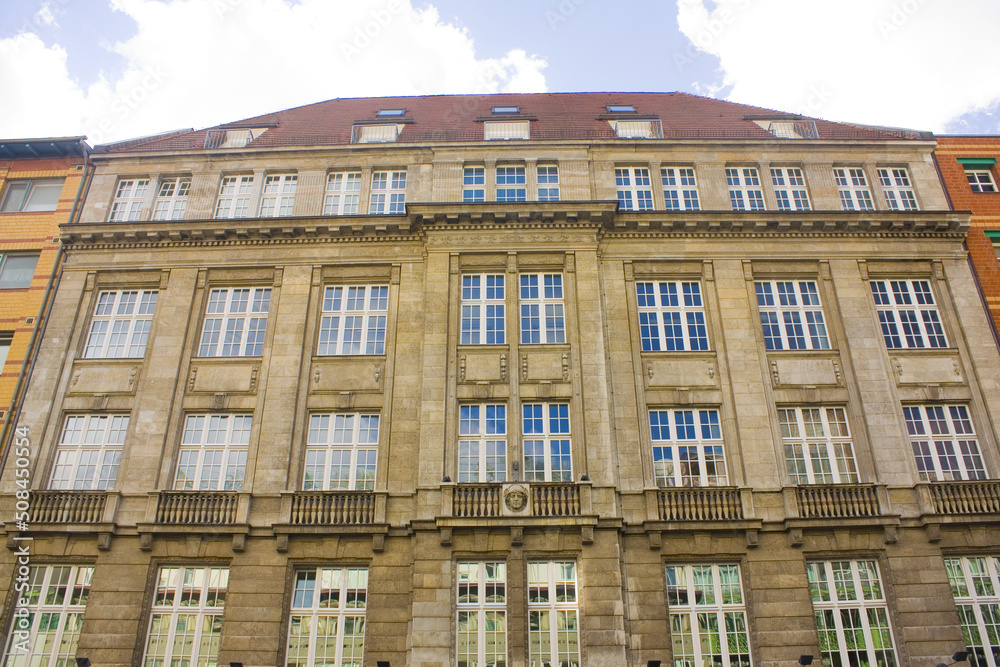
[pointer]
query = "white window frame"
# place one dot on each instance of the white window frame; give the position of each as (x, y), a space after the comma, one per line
(671, 307)
(817, 445)
(377, 134)
(707, 607)
(31, 195)
(975, 585)
(541, 297)
(6, 340)
(120, 325)
(852, 184)
(483, 309)
(343, 193)
(790, 189)
(546, 436)
(745, 192)
(347, 441)
(547, 178)
(687, 447)
(980, 180)
(227, 438)
(338, 594)
(69, 586)
(637, 129)
(89, 452)
(130, 194)
(365, 308)
(908, 315)
(13, 276)
(234, 196)
(835, 587)
(680, 189)
(171, 198)
(474, 184)
(176, 587)
(545, 581)
(235, 322)
(511, 185)
(897, 189)
(944, 442)
(388, 193)
(494, 130)
(481, 613)
(278, 197)
(635, 189)
(482, 442)
(791, 315)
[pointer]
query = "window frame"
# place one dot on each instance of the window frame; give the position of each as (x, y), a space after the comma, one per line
(362, 451)
(542, 443)
(975, 585)
(553, 606)
(342, 613)
(790, 191)
(221, 343)
(680, 188)
(234, 452)
(179, 593)
(388, 192)
(531, 309)
(745, 190)
(472, 176)
(511, 183)
(484, 609)
(171, 198)
(31, 186)
(687, 645)
(827, 458)
(800, 322)
(506, 130)
(374, 320)
(235, 202)
(97, 434)
(342, 199)
(634, 189)
(23, 284)
(137, 320)
(483, 319)
(897, 189)
(6, 340)
(855, 193)
(483, 438)
(685, 303)
(128, 199)
(978, 184)
(277, 199)
(705, 439)
(547, 182)
(913, 332)
(958, 446)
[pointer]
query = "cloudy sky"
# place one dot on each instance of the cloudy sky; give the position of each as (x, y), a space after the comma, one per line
(116, 69)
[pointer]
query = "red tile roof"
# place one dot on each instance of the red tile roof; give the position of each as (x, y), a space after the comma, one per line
(554, 116)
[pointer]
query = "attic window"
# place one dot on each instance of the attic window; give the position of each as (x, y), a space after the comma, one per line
(375, 134)
(637, 129)
(517, 129)
(620, 108)
(793, 129)
(507, 109)
(391, 112)
(236, 138)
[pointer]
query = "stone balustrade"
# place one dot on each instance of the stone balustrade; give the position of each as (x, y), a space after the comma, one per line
(476, 500)
(837, 501)
(67, 506)
(978, 497)
(330, 508)
(700, 504)
(197, 507)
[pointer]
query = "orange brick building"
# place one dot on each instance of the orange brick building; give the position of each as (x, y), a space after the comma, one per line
(40, 183)
(970, 173)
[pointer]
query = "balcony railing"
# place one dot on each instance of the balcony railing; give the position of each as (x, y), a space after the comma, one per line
(197, 507)
(331, 508)
(555, 499)
(980, 497)
(67, 506)
(700, 504)
(837, 501)
(476, 500)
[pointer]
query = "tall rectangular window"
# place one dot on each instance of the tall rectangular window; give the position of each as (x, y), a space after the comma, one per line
(185, 626)
(853, 187)
(671, 316)
(234, 197)
(907, 314)
(975, 585)
(213, 453)
(548, 182)
(553, 614)
(817, 446)
(6, 338)
(708, 617)
(687, 448)
(57, 599)
(944, 442)
(511, 185)
(542, 317)
(547, 448)
(852, 617)
(790, 189)
(120, 325)
(17, 271)
(474, 184)
(388, 196)
(171, 199)
(343, 193)
(680, 189)
(278, 198)
(483, 308)
(482, 442)
(353, 320)
(235, 322)
(128, 200)
(791, 315)
(745, 193)
(326, 627)
(89, 452)
(635, 191)
(341, 452)
(31, 195)
(481, 607)
(897, 189)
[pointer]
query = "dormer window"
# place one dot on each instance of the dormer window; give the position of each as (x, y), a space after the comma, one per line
(507, 109)
(235, 138)
(620, 108)
(787, 127)
(637, 129)
(375, 134)
(390, 112)
(511, 129)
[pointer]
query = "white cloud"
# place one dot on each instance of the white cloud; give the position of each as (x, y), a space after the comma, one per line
(886, 62)
(204, 62)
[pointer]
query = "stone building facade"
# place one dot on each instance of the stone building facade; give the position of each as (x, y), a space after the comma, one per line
(575, 379)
